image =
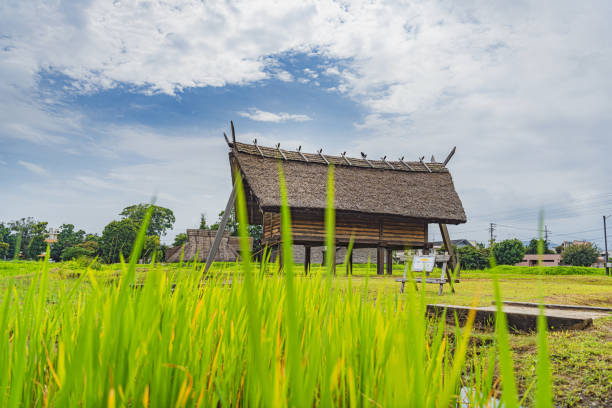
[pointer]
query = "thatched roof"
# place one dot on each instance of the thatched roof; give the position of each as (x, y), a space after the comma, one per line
(406, 189)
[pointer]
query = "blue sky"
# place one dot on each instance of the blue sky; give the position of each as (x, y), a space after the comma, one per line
(107, 104)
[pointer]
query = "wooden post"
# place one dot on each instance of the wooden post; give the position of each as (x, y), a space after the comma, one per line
(306, 259)
(351, 263)
(279, 253)
(452, 261)
(215, 246)
(332, 253)
(380, 260)
(389, 261)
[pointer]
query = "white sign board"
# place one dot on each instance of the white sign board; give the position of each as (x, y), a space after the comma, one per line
(609, 264)
(420, 263)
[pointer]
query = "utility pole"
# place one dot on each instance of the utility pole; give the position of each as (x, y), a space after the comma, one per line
(491, 230)
(546, 232)
(606, 247)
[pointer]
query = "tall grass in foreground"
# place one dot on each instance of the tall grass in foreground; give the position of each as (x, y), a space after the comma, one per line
(254, 341)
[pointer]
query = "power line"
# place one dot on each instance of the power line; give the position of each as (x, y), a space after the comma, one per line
(577, 232)
(553, 206)
(554, 213)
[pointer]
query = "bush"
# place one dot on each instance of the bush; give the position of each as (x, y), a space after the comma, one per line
(580, 255)
(508, 252)
(473, 258)
(76, 252)
(83, 262)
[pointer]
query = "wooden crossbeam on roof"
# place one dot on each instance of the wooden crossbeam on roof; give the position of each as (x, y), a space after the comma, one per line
(424, 164)
(346, 159)
(365, 157)
(323, 157)
(384, 159)
(450, 155)
(280, 151)
(299, 150)
(258, 149)
(233, 131)
(401, 160)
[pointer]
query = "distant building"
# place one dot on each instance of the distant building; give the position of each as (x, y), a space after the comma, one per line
(601, 259)
(199, 242)
(547, 260)
(565, 244)
(459, 243)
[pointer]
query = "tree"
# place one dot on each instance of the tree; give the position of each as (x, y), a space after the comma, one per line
(532, 248)
(203, 225)
(473, 257)
(66, 238)
(180, 239)
(118, 238)
(151, 248)
(5, 233)
(27, 237)
(162, 219)
(4, 249)
(36, 244)
(256, 232)
(580, 255)
(231, 225)
(84, 249)
(508, 252)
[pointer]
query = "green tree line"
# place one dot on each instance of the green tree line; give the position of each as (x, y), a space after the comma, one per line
(512, 251)
(25, 238)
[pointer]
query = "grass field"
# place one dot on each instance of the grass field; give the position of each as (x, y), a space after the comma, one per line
(92, 340)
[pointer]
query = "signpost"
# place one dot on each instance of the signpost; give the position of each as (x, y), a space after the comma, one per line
(420, 263)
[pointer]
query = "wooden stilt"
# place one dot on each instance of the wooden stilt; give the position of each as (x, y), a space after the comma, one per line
(350, 263)
(219, 235)
(333, 258)
(306, 259)
(452, 262)
(380, 260)
(389, 261)
(279, 252)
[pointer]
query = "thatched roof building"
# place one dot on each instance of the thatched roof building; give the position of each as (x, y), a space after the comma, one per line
(199, 243)
(415, 190)
(382, 204)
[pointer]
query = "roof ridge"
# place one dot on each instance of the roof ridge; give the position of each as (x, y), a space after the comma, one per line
(341, 160)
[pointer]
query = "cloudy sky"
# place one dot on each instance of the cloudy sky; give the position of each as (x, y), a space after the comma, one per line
(104, 104)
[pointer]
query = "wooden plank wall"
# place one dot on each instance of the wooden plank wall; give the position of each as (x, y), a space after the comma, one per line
(367, 230)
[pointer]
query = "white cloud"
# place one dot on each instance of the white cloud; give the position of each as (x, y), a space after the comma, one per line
(284, 76)
(523, 89)
(263, 116)
(34, 168)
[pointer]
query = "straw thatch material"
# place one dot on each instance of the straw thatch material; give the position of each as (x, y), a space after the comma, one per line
(199, 243)
(416, 193)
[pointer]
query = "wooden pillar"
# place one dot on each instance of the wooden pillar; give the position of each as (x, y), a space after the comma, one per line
(380, 260)
(332, 253)
(279, 254)
(306, 259)
(349, 264)
(389, 261)
(452, 262)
